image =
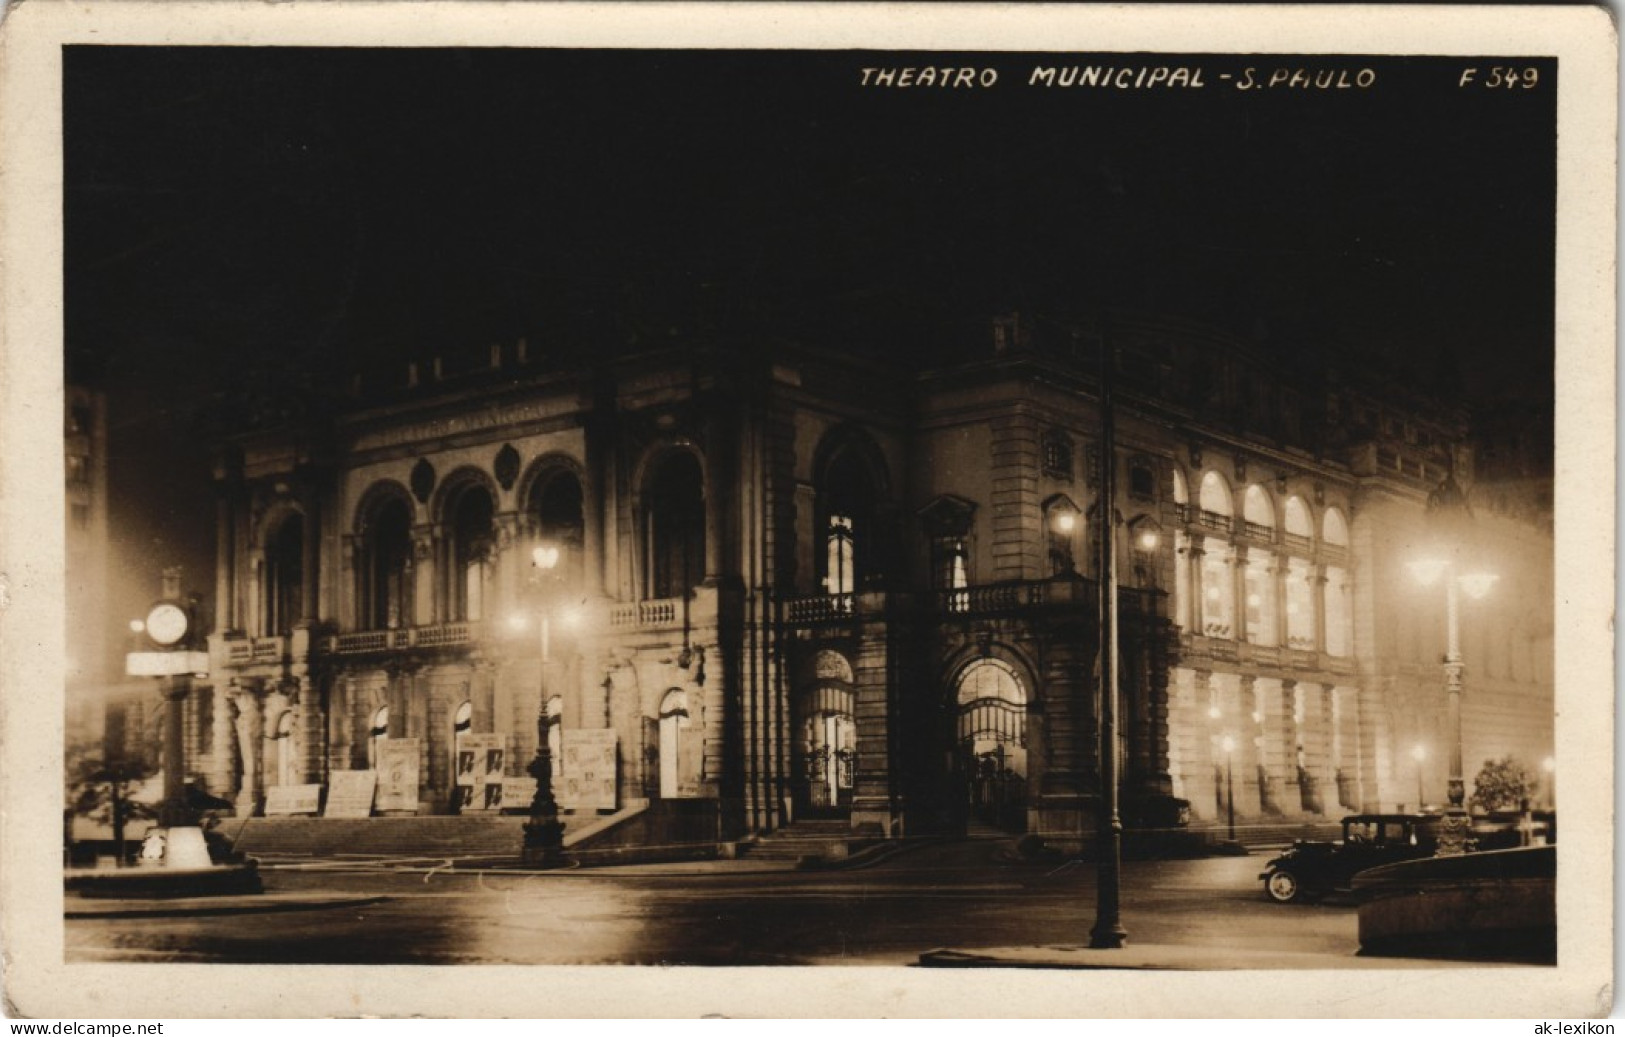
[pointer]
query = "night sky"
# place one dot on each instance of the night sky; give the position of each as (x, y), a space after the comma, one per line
(253, 223)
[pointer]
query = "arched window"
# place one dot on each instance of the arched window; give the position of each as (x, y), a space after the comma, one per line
(1335, 530)
(1182, 492)
(846, 497)
(386, 566)
(469, 515)
(284, 576)
(674, 526)
(993, 715)
(1215, 495)
(555, 510)
(675, 725)
(1300, 528)
(1257, 508)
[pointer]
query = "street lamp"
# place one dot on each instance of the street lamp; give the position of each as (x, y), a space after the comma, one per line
(544, 833)
(1450, 518)
(1419, 752)
(1229, 744)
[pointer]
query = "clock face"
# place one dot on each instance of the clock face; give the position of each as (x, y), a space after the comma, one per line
(166, 623)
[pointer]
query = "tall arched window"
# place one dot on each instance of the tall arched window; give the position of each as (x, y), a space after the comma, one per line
(674, 526)
(1298, 523)
(846, 498)
(284, 576)
(386, 566)
(556, 512)
(675, 725)
(470, 514)
(1335, 531)
(1215, 502)
(287, 751)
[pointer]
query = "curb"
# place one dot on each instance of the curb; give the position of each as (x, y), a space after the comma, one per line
(268, 903)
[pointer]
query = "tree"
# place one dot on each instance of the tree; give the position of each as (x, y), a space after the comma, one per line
(1504, 784)
(100, 790)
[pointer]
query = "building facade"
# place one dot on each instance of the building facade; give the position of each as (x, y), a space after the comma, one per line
(773, 583)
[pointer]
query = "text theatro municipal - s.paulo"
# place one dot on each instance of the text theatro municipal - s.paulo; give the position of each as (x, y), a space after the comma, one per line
(1119, 77)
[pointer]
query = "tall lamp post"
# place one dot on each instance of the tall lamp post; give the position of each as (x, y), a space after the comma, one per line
(544, 832)
(1450, 519)
(1108, 932)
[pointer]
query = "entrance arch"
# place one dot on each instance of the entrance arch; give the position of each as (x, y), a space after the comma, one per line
(991, 729)
(828, 736)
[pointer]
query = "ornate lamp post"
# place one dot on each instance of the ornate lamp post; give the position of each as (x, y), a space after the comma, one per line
(1450, 519)
(544, 833)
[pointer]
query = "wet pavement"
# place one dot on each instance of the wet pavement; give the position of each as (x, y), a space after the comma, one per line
(966, 894)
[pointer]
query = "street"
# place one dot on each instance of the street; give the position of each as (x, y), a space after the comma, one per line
(964, 894)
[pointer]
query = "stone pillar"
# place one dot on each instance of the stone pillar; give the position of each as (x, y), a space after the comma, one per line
(1318, 583)
(875, 798)
(1198, 602)
(222, 775)
(1278, 573)
(311, 724)
(250, 725)
(1238, 592)
(425, 542)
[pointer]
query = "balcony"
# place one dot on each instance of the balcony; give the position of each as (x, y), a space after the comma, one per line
(1258, 531)
(371, 642)
(657, 614)
(251, 651)
(1213, 521)
(820, 608)
(1298, 542)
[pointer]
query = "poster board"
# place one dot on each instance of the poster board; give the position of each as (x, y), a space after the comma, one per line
(589, 770)
(290, 800)
(349, 793)
(398, 770)
(481, 759)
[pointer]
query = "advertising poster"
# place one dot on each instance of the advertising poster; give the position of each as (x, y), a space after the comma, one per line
(589, 770)
(349, 793)
(398, 774)
(288, 800)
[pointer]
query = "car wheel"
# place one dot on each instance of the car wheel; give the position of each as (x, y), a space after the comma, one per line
(1283, 887)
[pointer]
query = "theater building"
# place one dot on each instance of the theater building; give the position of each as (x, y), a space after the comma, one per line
(762, 584)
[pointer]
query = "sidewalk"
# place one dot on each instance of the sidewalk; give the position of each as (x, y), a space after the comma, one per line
(1168, 957)
(256, 903)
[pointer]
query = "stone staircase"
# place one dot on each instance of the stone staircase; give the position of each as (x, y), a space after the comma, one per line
(807, 838)
(428, 836)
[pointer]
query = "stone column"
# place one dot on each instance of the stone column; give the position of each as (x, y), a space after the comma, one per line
(1318, 583)
(1198, 602)
(222, 772)
(425, 569)
(1238, 594)
(311, 723)
(250, 725)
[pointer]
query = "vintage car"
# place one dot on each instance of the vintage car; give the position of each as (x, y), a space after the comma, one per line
(1313, 868)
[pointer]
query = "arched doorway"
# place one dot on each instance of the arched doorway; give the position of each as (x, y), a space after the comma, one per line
(827, 734)
(991, 729)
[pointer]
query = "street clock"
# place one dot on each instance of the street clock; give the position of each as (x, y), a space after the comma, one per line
(167, 624)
